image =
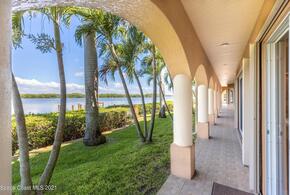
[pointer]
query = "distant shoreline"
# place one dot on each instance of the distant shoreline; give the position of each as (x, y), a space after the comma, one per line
(78, 95)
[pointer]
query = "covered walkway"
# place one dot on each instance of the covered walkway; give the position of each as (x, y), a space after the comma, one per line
(218, 159)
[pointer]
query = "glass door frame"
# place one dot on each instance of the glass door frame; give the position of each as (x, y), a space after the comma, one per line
(273, 109)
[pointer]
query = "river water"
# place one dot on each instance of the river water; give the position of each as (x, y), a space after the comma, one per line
(47, 105)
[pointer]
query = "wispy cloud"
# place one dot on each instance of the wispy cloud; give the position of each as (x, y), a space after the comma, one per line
(117, 84)
(79, 74)
(35, 86)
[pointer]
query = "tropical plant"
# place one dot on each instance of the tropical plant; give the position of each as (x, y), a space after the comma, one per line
(160, 66)
(25, 173)
(132, 46)
(45, 43)
(110, 44)
(26, 181)
(91, 20)
(149, 64)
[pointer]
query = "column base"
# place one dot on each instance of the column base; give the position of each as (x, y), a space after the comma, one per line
(182, 161)
(202, 130)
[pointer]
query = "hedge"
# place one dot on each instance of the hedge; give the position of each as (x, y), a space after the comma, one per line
(139, 107)
(41, 127)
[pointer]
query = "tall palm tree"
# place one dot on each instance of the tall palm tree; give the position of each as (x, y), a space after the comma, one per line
(160, 66)
(87, 31)
(110, 34)
(25, 173)
(132, 46)
(26, 181)
(45, 44)
(149, 64)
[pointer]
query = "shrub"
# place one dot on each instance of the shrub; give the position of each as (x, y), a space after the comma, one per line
(149, 107)
(41, 127)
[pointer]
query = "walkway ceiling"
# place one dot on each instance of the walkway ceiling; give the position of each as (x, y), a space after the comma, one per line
(224, 28)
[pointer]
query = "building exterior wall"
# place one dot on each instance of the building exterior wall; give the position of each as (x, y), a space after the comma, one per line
(263, 112)
(263, 30)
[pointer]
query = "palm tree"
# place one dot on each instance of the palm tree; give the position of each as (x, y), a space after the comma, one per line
(87, 31)
(25, 173)
(149, 64)
(132, 47)
(160, 66)
(26, 181)
(168, 80)
(46, 44)
(110, 34)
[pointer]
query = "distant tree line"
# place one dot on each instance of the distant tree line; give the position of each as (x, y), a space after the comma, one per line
(80, 95)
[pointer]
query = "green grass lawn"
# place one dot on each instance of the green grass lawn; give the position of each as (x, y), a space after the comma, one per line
(121, 166)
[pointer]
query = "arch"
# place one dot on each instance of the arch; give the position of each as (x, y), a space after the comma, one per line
(200, 76)
(144, 14)
(216, 87)
(211, 83)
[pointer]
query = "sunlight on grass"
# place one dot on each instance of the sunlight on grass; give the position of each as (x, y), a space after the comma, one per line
(121, 166)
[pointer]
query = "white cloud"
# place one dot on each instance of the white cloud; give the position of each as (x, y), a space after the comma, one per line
(79, 74)
(35, 86)
(117, 84)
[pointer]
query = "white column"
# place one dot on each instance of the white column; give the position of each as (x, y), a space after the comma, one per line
(182, 150)
(5, 96)
(182, 99)
(202, 105)
(210, 101)
(215, 102)
(218, 102)
(202, 126)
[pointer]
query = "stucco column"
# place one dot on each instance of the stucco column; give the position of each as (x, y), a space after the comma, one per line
(218, 104)
(5, 97)
(210, 105)
(182, 149)
(202, 111)
(214, 105)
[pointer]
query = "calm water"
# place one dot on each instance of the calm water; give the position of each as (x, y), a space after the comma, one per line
(43, 105)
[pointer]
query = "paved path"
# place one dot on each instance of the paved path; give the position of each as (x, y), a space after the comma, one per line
(218, 159)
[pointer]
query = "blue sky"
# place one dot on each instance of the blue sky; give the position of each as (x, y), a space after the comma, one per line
(38, 73)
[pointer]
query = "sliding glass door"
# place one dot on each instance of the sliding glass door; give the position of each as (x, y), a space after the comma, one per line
(277, 142)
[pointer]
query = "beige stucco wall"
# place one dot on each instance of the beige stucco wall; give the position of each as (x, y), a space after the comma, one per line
(265, 11)
(257, 36)
(195, 53)
(278, 20)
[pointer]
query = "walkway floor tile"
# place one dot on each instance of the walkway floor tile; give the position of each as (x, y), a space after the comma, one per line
(218, 159)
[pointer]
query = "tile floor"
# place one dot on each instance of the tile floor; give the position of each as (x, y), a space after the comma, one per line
(218, 159)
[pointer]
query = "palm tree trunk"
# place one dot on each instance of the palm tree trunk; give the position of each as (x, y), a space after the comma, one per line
(165, 103)
(153, 112)
(143, 103)
(58, 138)
(162, 111)
(93, 134)
(26, 182)
(137, 124)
